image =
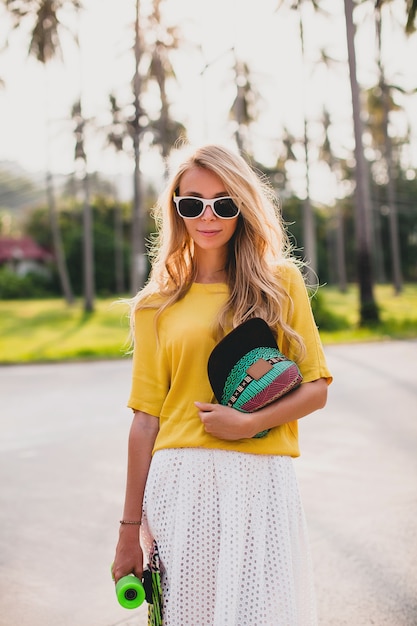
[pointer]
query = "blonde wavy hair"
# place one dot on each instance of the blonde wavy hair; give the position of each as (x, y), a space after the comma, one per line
(258, 247)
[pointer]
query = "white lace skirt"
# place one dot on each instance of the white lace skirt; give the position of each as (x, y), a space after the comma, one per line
(232, 539)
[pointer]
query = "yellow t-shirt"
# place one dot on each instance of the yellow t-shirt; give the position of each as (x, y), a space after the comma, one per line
(170, 373)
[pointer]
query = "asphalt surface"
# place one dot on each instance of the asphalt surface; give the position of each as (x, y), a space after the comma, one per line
(63, 433)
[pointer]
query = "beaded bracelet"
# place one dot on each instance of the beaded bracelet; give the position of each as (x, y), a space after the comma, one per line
(125, 521)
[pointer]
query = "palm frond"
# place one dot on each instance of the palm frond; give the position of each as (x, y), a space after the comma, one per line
(410, 26)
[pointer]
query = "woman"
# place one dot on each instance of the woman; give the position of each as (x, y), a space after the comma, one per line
(222, 506)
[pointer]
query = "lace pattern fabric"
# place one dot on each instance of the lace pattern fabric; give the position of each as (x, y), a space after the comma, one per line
(232, 539)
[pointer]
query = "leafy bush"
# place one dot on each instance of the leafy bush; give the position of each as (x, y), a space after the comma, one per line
(325, 318)
(14, 287)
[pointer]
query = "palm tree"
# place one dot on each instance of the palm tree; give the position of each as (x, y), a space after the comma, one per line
(163, 131)
(165, 39)
(336, 166)
(80, 157)
(309, 221)
(45, 45)
(138, 269)
(411, 15)
(286, 154)
(368, 308)
(386, 102)
(326, 153)
(243, 107)
(115, 138)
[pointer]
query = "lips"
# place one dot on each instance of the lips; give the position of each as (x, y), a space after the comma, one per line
(209, 233)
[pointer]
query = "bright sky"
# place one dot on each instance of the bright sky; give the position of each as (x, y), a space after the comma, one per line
(267, 40)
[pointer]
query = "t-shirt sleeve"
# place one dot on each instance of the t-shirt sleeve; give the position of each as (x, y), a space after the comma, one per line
(314, 365)
(150, 373)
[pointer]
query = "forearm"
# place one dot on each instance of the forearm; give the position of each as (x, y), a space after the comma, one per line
(227, 423)
(309, 397)
(142, 436)
(141, 441)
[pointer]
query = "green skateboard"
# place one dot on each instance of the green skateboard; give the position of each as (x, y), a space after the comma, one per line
(152, 583)
(130, 592)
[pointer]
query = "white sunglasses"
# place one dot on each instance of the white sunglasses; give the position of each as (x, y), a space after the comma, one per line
(190, 207)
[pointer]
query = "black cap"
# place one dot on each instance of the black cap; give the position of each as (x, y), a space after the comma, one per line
(255, 333)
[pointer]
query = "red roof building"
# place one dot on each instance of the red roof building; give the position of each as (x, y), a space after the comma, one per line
(23, 255)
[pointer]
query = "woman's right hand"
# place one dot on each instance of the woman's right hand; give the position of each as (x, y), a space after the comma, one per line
(129, 556)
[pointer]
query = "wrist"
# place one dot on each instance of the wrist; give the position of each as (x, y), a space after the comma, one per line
(129, 536)
(129, 529)
(252, 425)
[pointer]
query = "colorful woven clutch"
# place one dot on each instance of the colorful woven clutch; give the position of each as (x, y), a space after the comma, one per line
(247, 371)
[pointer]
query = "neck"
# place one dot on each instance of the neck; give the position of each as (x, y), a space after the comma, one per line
(210, 267)
(216, 276)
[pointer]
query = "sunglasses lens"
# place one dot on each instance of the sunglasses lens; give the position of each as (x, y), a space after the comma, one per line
(190, 207)
(226, 208)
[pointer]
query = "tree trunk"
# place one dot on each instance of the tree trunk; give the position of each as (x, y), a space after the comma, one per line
(88, 247)
(368, 307)
(309, 222)
(340, 250)
(391, 195)
(58, 247)
(138, 269)
(118, 250)
(80, 157)
(397, 278)
(57, 244)
(378, 247)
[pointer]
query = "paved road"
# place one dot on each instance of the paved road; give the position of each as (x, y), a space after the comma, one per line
(63, 431)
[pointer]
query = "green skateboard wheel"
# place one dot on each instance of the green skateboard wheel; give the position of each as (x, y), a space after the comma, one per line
(130, 592)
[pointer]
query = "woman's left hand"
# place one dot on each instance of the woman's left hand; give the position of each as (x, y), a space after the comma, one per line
(224, 422)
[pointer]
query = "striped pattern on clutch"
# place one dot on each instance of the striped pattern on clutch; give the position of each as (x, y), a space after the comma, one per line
(247, 371)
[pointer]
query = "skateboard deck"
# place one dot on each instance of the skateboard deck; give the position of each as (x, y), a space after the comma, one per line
(152, 584)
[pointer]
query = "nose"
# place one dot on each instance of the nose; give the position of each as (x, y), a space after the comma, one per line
(208, 213)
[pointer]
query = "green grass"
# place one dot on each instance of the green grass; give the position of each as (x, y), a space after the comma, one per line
(398, 315)
(48, 330)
